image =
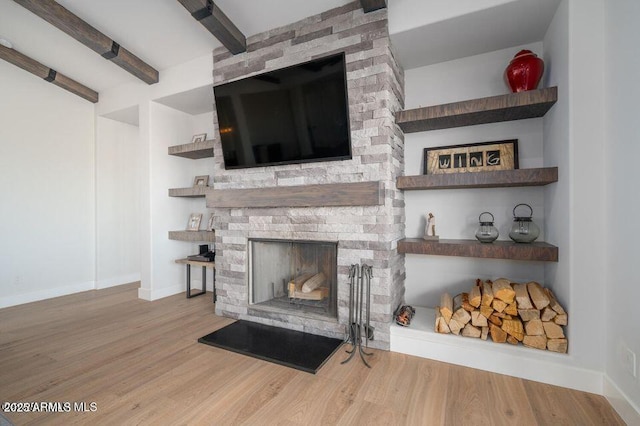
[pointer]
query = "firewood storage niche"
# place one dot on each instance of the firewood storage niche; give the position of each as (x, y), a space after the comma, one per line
(296, 277)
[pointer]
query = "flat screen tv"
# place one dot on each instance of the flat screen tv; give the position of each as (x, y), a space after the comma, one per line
(292, 115)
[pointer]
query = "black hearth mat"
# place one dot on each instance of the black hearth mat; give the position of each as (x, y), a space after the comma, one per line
(295, 349)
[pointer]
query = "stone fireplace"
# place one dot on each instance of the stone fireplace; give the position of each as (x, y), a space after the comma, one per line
(316, 211)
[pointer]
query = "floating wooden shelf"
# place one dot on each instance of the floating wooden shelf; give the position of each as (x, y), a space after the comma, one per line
(327, 195)
(194, 192)
(193, 236)
(473, 248)
(497, 179)
(513, 106)
(193, 151)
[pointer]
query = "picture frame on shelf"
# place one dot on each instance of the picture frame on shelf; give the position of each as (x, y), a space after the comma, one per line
(194, 222)
(201, 181)
(210, 223)
(470, 158)
(199, 138)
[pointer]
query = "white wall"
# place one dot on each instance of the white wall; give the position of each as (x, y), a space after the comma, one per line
(168, 127)
(160, 127)
(622, 230)
(557, 152)
(118, 203)
(571, 137)
(407, 14)
(457, 210)
(586, 184)
(181, 78)
(573, 140)
(47, 213)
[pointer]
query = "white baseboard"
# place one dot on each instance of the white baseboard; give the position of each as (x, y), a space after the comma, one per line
(518, 361)
(116, 281)
(144, 294)
(49, 293)
(166, 292)
(621, 403)
(155, 294)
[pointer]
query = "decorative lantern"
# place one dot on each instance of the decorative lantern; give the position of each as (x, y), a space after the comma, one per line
(523, 229)
(486, 232)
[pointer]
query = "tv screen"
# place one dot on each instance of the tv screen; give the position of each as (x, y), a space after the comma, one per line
(292, 115)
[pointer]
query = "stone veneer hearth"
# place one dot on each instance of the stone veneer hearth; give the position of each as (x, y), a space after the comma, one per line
(365, 234)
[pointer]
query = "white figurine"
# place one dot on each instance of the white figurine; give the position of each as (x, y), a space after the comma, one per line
(430, 229)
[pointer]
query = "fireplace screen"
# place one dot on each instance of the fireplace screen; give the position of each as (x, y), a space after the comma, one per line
(295, 276)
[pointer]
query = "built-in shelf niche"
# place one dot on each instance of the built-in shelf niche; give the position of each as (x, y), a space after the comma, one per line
(513, 106)
(194, 151)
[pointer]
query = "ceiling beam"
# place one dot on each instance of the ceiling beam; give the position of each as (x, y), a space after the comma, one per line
(64, 20)
(26, 63)
(218, 24)
(371, 5)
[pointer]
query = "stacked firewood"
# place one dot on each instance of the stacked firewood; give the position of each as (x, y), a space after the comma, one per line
(506, 311)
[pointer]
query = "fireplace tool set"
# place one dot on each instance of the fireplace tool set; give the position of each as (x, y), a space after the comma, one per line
(359, 312)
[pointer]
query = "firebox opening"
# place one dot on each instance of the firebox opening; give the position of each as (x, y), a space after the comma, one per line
(298, 277)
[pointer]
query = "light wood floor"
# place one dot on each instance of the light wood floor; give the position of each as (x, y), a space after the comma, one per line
(140, 363)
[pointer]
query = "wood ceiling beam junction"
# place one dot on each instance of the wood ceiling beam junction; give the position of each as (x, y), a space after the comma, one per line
(217, 23)
(66, 21)
(48, 74)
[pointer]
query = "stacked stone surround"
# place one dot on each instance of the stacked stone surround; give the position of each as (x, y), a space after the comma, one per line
(365, 234)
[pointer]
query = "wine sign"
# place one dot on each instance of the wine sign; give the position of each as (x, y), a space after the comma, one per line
(475, 157)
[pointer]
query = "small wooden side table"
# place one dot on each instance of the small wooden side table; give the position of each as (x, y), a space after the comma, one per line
(204, 266)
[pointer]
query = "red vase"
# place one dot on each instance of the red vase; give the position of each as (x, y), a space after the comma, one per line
(524, 71)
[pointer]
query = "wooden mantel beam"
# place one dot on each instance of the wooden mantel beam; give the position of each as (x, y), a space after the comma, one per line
(64, 20)
(218, 24)
(371, 5)
(26, 63)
